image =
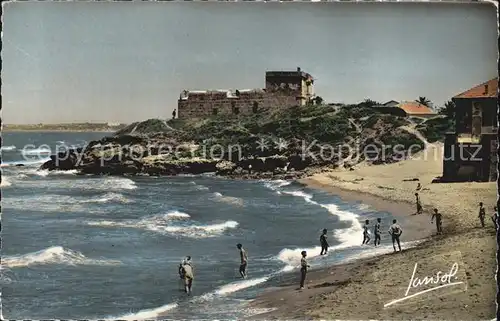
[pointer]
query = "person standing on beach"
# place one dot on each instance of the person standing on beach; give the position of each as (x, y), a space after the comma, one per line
(482, 213)
(366, 235)
(419, 205)
(494, 218)
(303, 269)
(188, 276)
(243, 260)
(376, 231)
(439, 222)
(323, 242)
(395, 231)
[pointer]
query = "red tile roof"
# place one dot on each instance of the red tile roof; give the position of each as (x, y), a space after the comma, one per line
(414, 108)
(485, 90)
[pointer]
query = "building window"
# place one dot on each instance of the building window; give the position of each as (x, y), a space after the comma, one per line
(489, 117)
(255, 107)
(215, 111)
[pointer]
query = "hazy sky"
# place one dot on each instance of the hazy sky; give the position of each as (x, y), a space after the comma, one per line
(128, 61)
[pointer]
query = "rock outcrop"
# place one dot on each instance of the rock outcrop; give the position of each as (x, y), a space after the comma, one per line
(284, 145)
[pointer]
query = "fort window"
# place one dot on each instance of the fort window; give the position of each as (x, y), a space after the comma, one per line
(255, 107)
(215, 111)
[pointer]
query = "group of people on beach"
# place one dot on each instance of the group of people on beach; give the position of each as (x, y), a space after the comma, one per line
(395, 232)
(186, 268)
(186, 272)
(438, 216)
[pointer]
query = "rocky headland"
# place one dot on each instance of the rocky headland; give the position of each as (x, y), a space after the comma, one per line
(279, 144)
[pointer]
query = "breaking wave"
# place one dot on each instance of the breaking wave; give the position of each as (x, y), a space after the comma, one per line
(53, 255)
(36, 152)
(109, 197)
(228, 199)
(348, 237)
(276, 185)
(8, 148)
(5, 182)
(164, 224)
(145, 314)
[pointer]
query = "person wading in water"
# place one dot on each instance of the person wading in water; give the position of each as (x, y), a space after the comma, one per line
(188, 275)
(376, 231)
(366, 235)
(243, 260)
(323, 242)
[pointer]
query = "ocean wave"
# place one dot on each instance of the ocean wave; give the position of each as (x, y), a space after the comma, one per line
(275, 185)
(163, 224)
(223, 290)
(46, 172)
(348, 237)
(117, 183)
(49, 203)
(5, 182)
(147, 314)
(177, 215)
(228, 199)
(53, 255)
(231, 288)
(26, 162)
(36, 152)
(109, 197)
(8, 148)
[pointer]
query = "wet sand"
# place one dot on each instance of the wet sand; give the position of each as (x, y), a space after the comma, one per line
(360, 290)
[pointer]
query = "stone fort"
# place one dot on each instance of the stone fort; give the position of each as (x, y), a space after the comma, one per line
(283, 89)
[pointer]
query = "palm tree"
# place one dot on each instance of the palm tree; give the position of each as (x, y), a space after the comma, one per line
(424, 101)
(448, 110)
(318, 100)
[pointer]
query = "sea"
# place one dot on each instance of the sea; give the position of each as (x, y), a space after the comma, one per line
(109, 247)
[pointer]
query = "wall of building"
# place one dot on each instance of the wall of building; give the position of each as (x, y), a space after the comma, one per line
(206, 105)
(284, 89)
(488, 114)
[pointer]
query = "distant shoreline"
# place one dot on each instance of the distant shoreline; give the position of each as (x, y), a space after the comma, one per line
(58, 130)
(68, 127)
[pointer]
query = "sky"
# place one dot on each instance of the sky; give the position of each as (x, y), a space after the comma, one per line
(129, 61)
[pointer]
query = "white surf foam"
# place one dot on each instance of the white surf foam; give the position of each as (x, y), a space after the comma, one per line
(177, 215)
(228, 199)
(163, 224)
(8, 148)
(5, 182)
(147, 314)
(26, 162)
(238, 286)
(231, 288)
(276, 185)
(348, 237)
(109, 197)
(118, 183)
(53, 255)
(36, 152)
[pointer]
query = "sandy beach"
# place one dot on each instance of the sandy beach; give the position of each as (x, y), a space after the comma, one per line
(366, 289)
